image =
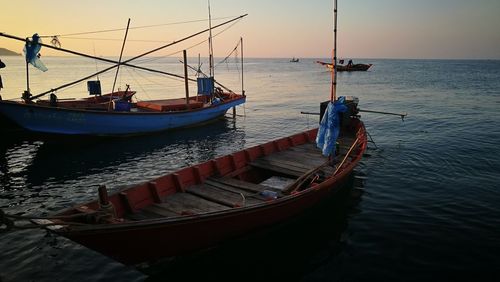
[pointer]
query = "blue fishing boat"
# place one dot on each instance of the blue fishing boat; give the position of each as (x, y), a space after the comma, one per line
(116, 113)
(139, 120)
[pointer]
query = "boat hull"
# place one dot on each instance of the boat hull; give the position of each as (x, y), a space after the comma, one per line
(160, 239)
(54, 120)
(356, 67)
(171, 236)
(348, 68)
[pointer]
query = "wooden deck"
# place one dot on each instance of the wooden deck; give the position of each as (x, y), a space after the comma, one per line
(222, 193)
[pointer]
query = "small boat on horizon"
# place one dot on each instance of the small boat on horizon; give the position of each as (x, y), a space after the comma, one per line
(348, 67)
(294, 60)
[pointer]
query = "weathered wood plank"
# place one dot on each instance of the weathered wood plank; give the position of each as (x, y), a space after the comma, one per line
(248, 186)
(141, 215)
(186, 201)
(220, 196)
(236, 190)
(298, 162)
(156, 209)
(278, 166)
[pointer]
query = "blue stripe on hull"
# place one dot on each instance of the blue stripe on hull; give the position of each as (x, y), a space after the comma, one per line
(82, 122)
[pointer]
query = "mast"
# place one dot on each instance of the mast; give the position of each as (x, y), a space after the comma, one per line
(333, 94)
(120, 59)
(210, 44)
(242, 88)
(27, 74)
(186, 81)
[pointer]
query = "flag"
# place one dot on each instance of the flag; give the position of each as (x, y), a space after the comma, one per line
(31, 51)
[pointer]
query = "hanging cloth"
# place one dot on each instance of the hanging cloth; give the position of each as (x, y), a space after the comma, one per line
(329, 127)
(31, 51)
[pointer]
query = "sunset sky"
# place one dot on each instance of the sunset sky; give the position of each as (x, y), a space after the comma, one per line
(442, 29)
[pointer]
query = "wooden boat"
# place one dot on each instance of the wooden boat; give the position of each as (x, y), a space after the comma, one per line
(294, 60)
(354, 67)
(86, 117)
(227, 197)
(115, 113)
(205, 204)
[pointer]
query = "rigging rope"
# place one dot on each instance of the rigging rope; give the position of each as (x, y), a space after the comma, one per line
(137, 27)
(9, 220)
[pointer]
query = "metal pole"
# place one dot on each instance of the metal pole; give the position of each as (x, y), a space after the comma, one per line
(186, 81)
(27, 71)
(242, 88)
(27, 78)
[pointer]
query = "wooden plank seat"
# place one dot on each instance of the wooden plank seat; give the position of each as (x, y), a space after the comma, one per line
(169, 105)
(241, 185)
(226, 197)
(176, 205)
(295, 161)
(278, 167)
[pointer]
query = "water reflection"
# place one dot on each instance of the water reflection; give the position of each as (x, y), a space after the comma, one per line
(62, 170)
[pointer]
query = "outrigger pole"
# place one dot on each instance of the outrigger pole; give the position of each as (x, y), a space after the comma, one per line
(125, 63)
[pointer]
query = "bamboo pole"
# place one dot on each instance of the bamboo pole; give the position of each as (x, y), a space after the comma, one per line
(126, 63)
(345, 157)
(118, 67)
(120, 59)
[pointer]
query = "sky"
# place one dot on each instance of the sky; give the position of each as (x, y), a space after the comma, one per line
(424, 29)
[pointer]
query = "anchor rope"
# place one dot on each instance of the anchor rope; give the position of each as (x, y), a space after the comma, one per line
(8, 221)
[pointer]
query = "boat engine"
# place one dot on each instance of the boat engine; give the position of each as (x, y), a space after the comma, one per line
(352, 110)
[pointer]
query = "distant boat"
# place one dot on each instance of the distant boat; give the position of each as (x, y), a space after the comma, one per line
(116, 113)
(354, 67)
(205, 204)
(294, 60)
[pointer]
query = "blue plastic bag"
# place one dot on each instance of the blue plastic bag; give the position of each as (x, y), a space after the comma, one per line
(329, 127)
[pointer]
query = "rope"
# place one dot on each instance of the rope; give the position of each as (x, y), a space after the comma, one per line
(137, 27)
(371, 139)
(8, 221)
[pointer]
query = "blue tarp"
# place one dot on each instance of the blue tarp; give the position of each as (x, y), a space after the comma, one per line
(31, 50)
(205, 85)
(94, 87)
(329, 127)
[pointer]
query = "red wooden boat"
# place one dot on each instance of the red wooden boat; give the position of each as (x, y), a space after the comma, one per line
(205, 204)
(230, 196)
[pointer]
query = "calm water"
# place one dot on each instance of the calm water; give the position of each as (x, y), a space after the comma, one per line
(423, 206)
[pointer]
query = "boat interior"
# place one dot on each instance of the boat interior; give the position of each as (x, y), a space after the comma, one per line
(254, 176)
(121, 101)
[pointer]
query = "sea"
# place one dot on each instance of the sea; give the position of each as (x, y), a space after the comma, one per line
(423, 205)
